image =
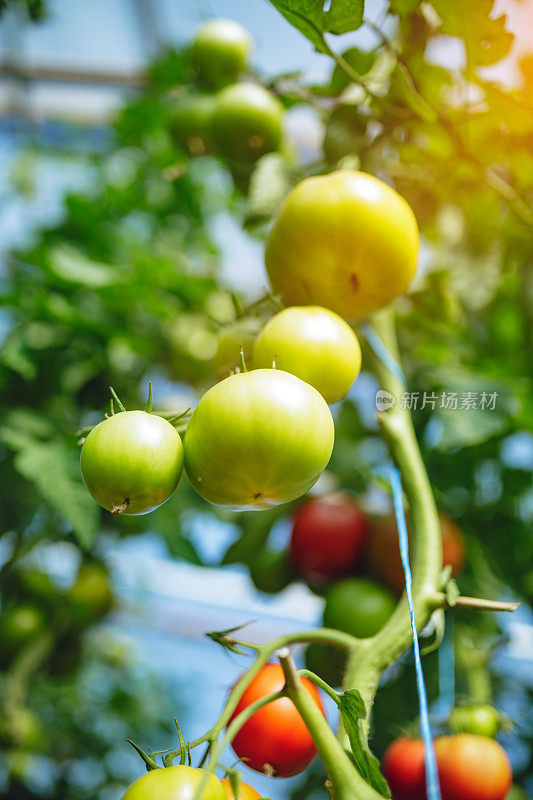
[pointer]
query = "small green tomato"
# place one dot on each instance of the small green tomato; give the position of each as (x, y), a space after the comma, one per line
(191, 122)
(258, 439)
(247, 122)
(481, 719)
(316, 345)
(132, 462)
(220, 52)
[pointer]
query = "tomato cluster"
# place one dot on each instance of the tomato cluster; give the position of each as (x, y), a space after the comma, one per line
(263, 437)
(256, 439)
(470, 767)
(239, 120)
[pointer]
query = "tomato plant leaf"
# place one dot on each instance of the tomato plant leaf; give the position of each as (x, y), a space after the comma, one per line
(344, 16)
(53, 468)
(311, 18)
(353, 711)
(485, 36)
(360, 60)
(403, 7)
(69, 264)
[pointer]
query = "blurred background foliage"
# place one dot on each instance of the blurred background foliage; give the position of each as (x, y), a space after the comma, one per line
(127, 287)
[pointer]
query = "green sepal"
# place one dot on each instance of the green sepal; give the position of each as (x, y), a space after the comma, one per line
(148, 760)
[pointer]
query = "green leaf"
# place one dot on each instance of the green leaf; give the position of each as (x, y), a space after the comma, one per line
(360, 60)
(486, 38)
(53, 467)
(69, 264)
(353, 711)
(403, 7)
(15, 356)
(310, 18)
(344, 16)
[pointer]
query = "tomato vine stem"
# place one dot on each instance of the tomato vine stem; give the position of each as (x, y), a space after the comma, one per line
(383, 649)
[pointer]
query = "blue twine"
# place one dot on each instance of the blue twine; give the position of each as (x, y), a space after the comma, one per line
(446, 654)
(432, 779)
(382, 353)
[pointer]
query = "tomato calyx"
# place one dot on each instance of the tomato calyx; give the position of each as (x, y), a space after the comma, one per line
(228, 642)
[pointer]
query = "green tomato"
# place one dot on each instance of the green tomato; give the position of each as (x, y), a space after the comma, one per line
(132, 462)
(90, 596)
(18, 626)
(246, 122)
(327, 662)
(358, 606)
(228, 357)
(191, 122)
(258, 439)
(269, 570)
(220, 51)
(482, 719)
(316, 345)
(346, 241)
(174, 783)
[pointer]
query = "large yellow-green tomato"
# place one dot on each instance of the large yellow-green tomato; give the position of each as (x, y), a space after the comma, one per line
(174, 783)
(132, 462)
(191, 122)
(346, 241)
(228, 355)
(220, 52)
(246, 122)
(258, 439)
(313, 343)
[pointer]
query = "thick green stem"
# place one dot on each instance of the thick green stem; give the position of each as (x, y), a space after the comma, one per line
(346, 782)
(376, 654)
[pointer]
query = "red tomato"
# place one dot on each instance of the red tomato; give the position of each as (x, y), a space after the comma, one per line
(384, 551)
(328, 538)
(472, 768)
(404, 769)
(245, 792)
(275, 739)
